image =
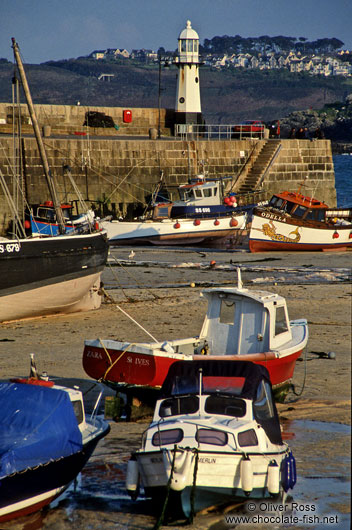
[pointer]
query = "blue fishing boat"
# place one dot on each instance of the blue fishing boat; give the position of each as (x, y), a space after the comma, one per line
(46, 439)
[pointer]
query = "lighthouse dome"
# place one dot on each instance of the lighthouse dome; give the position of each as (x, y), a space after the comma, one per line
(188, 32)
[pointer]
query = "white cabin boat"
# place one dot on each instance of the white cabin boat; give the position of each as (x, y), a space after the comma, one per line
(215, 437)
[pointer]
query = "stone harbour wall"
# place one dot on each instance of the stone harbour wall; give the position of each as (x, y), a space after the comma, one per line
(123, 173)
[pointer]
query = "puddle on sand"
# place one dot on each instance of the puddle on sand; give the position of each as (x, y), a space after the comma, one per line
(98, 500)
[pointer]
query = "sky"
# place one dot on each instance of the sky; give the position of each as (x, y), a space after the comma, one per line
(63, 29)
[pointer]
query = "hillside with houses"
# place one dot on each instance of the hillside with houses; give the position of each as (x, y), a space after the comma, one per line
(322, 57)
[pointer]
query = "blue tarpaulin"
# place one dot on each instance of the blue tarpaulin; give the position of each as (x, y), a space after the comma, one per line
(37, 425)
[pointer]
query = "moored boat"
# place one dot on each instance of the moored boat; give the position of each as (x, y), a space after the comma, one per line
(215, 438)
(240, 324)
(293, 222)
(47, 275)
(161, 229)
(46, 439)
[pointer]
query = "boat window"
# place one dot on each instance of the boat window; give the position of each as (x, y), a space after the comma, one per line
(310, 215)
(211, 436)
(300, 211)
(78, 410)
(289, 206)
(227, 311)
(180, 405)
(263, 405)
(185, 385)
(208, 192)
(320, 215)
(198, 193)
(45, 213)
(225, 405)
(169, 436)
(276, 202)
(280, 321)
(247, 438)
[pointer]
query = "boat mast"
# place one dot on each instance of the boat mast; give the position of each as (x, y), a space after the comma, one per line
(41, 148)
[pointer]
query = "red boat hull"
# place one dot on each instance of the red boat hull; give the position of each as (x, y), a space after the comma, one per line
(131, 369)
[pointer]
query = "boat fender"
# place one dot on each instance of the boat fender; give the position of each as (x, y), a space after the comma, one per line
(180, 478)
(273, 478)
(288, 472)
(132, 478)
(246, 471)
(233, 222)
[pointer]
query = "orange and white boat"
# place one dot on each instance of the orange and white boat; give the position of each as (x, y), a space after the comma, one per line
(294, 222)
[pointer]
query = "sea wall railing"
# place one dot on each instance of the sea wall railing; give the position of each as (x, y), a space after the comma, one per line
(219, 132)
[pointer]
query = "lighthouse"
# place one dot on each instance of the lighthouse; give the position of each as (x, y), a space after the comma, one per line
(188, 109)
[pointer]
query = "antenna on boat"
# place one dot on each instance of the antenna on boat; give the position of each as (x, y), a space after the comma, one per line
(239, 279)
(40, 143)
(200, 373)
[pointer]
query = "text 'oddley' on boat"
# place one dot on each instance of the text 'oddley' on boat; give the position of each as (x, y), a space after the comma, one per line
(239, 324)
(46, 439)
(215, 438)
(47, 275)
(294, 222)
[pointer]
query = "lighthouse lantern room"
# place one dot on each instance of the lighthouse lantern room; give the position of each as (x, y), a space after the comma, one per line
(188, 109)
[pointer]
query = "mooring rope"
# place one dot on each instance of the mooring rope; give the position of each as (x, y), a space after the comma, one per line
(168, 487)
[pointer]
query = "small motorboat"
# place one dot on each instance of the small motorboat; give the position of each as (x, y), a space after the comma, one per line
(292, 222)
(46, 439)
(240, 324)
(215, 438)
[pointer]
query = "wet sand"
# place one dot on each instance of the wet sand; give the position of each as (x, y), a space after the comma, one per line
(162, 299)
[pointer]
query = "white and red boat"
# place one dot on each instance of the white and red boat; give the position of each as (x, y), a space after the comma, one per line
(240, 324)
(294, 222)
(162, 229)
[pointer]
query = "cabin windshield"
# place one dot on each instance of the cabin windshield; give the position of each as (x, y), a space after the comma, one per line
(179, 405)
(300, 211)
(263, 405)
(227, 311)
(225, 405)
(280, 321)
(185, 194)
(276, 202)
(316, 214)
(78, 410)
(46, 213)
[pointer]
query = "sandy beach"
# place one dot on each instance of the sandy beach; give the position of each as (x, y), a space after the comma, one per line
(159, 296)
(161, 291)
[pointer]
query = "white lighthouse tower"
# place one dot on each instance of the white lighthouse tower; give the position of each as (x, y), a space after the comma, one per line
(188, 109)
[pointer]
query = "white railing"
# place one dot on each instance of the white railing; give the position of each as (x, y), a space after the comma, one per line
(219, 132)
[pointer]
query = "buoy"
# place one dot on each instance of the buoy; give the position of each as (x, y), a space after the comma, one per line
(289, 474)
(227, 201)
(177, 225)
(197, 222)
(350, 236)
(332, 355)
(216, 222)
(246, 475)
(233, 222)
(335, 235)
(193, 284)
(212, 263)
(273, 478)
(132, 478)
(27, 224)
